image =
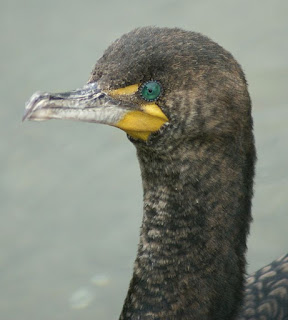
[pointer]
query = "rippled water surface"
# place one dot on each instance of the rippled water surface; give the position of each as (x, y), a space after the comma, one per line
(70, 193)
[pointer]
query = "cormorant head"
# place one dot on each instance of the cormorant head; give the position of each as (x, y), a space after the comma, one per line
(160, 85)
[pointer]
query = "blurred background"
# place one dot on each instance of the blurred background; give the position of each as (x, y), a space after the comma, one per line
(70, 193)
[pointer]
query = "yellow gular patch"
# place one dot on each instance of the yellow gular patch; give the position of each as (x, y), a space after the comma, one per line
(139, 123)
(139, 135)
(154, 110)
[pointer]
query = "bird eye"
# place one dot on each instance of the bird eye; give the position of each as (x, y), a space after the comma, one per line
(151, 90)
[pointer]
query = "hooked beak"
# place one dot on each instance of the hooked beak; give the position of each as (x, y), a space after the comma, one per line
(91, 104)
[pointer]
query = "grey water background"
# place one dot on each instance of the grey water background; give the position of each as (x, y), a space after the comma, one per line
(70, 193)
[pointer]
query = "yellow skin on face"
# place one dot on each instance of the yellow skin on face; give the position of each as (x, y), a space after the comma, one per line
(82, 105)
(139, 124)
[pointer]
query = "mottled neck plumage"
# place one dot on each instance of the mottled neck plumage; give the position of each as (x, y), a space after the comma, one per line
(191, 255)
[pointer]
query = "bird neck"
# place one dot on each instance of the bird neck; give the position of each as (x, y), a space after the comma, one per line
(191, 255)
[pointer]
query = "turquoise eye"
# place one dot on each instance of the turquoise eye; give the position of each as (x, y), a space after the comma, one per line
(151, 90)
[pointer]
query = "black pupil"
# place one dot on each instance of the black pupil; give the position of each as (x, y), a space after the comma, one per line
(150, 90)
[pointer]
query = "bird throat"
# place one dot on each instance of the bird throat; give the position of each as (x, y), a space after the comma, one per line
(191, 255)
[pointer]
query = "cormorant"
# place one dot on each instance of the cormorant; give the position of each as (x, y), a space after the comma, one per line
(183, 101)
